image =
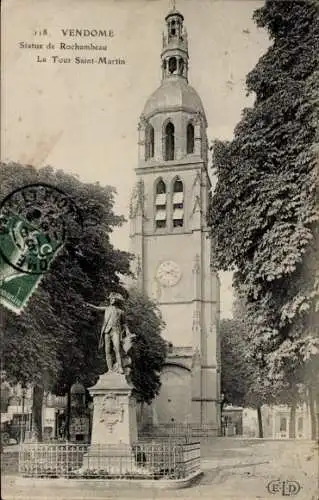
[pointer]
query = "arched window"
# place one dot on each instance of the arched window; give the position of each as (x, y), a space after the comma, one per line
(190, 138)
(172, 65)
(169, 142)
(160, 204)
(149, 142)
(173, 30)
(178, 186)
(178, 203)
(160, 187)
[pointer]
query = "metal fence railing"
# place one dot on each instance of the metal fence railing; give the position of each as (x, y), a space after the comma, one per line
(191, 459)
(155, 459)
(50, 460)
(187, 432)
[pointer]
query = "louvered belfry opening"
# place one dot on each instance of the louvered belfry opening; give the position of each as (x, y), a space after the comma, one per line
(178, 203)
(160, 204)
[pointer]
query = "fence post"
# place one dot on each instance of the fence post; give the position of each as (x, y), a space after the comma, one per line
(67, 456)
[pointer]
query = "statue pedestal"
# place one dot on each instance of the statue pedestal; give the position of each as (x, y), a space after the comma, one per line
(114, 427)
(114, 411)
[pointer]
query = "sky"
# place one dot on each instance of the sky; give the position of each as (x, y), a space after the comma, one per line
(82, 118)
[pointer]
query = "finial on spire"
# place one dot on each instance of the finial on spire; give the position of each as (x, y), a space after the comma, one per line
(172, 10)
(173, 4)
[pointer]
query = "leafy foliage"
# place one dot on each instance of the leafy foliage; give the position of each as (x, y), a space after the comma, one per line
(264, 214)
(233, 367)
(55, 340)
(150, 349)
(283, 387)
(243, 381)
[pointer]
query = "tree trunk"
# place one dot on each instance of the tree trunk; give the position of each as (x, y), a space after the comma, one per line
(23, 422)
(292, 421)
(260, 423)
(316, 399)
(68, 416)
(37, 402)
(313, 418)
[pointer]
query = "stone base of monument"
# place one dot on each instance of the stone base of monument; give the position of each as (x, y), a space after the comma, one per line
(110, 461)
(114, 428)
(114, 411)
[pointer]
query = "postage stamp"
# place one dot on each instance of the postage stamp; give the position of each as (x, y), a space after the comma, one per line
(35, 223)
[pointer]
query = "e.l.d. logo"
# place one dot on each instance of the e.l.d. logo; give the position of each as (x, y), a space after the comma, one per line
(288, 488)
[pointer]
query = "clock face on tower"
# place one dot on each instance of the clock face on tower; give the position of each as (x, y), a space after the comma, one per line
(168, 273)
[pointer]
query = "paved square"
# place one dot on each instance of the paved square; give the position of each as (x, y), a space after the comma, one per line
(234, 468)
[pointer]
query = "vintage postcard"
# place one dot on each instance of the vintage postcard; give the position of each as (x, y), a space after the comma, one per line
(129, 369)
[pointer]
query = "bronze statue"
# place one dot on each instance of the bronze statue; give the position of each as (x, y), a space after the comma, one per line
(115, 334)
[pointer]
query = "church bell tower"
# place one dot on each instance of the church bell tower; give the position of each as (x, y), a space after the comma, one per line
(170, 237)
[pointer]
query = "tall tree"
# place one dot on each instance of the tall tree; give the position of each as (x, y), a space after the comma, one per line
(55, 323)
(261, 388)
(235, 371)
(243, 381)
(55, 340)
(263, 214)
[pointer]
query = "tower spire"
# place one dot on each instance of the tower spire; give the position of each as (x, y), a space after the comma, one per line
(175, 47)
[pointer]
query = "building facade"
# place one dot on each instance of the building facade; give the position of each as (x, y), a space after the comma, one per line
(232, 420)
(16, 415)
(170, 237)
(276, 422)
